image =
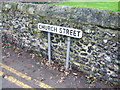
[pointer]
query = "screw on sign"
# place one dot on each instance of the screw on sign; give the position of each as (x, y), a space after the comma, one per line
(69, 32)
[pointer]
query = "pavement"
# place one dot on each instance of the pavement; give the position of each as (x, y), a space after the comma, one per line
(21, 69)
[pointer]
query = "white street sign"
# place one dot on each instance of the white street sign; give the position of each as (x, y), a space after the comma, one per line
(71, 32)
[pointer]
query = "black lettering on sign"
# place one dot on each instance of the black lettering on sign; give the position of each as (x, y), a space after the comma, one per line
(63, 30)
(43, 27)
(55, 29)
(40, 27)
(71, 32)
(60, 30)
(67, 31)
(52, 28)
(74, 33)
(49, 28)
(78, 33)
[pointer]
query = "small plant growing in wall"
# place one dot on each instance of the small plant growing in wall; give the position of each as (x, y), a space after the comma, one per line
(6, 45)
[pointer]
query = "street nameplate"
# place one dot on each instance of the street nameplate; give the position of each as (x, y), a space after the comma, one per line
(71, 32)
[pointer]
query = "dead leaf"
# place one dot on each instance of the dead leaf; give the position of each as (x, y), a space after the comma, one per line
(19, 54)
(42, 63)
(75, 74)
(92, 85)
(33, 55)
(42, 79)
(62, 68)
(61, 80)
(8, 54)
(3, 57)
(32, 65)
(57, 68)
(4, 50)
(67, 73)
(75, 78)
(17, 50)
(47, 63)
(51, 77)
(38, 63)
(89, 87)
(54, 68)
(57, 75)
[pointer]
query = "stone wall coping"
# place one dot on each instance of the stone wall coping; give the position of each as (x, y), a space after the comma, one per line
(102, 18)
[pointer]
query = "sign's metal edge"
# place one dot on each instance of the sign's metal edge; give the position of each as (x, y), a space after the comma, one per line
(60, 33)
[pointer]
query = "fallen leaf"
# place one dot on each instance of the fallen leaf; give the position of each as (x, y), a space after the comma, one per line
(42, 63)
(8, 54)
(19, 54)
(54, 68)
(75, 74)
(33, 55)
(57, 75)
(92, 85)
(51, 77)
(42, 79)
(16, 50)
(66, 73)
(57, 68)
(61, 79)
(38, 63)
(75, 78)
(47, 63)
(89, 87)
(3, 57)
(32, 65)
(62, 68)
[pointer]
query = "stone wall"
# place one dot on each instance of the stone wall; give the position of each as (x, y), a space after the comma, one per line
(96, 53)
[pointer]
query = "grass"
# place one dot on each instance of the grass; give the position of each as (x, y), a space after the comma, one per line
(113, 6)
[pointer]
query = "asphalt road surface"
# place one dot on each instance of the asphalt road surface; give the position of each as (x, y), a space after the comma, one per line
(22, 70)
